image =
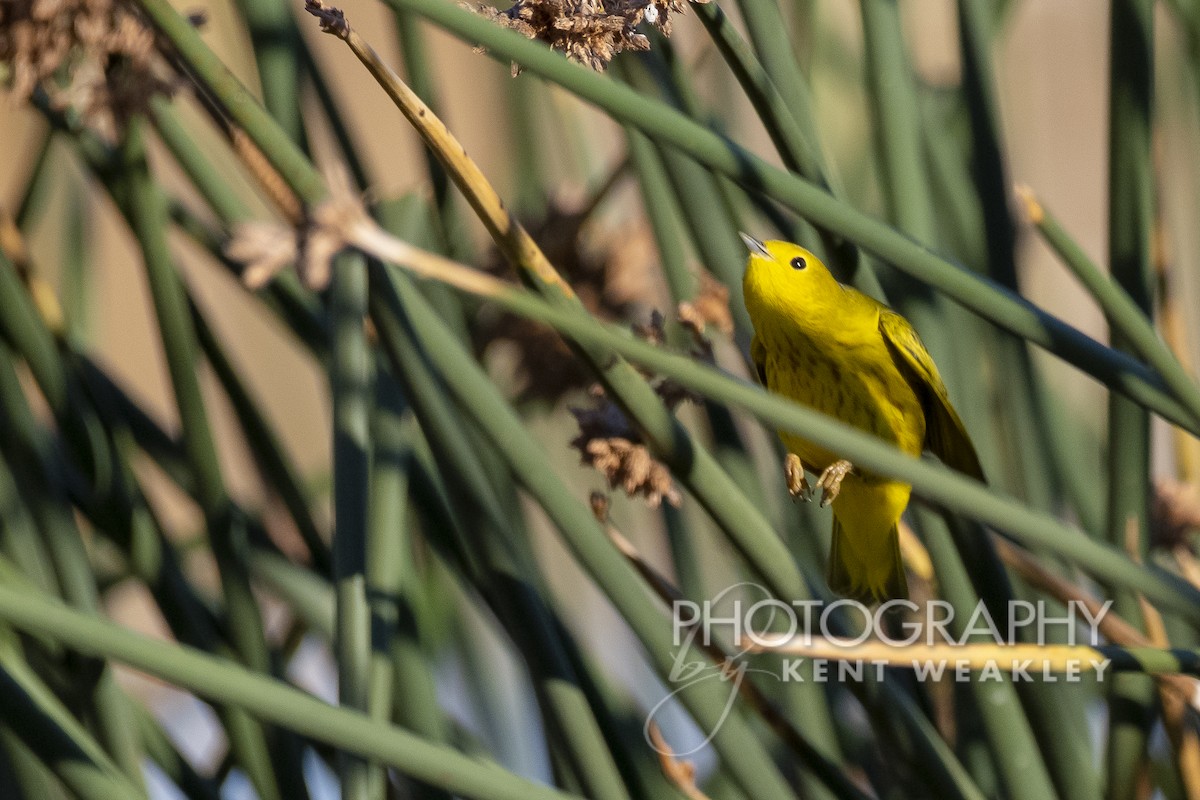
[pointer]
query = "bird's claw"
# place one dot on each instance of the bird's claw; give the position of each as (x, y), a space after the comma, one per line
(797, 484)
(830, 481)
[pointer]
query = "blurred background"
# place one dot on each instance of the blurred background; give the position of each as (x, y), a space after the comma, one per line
(551, 156)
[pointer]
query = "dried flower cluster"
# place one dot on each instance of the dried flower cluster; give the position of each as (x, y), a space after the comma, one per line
(266, 249)
(710, 306)
(607, 442)
(588, 31)
(96, 56)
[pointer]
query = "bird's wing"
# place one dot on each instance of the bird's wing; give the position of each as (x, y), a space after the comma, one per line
(758, 355)
(945, 435)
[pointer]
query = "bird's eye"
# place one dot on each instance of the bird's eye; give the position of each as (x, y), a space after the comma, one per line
(799, 263)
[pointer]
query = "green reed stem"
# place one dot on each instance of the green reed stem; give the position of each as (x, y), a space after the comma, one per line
(401, 674)
(662, 213)
(1012, 743)
(287, 158)
(350, 375)
(264, 443)
(1132, 699)
(269, 699)
(148, 215)
(276, 43)
(799, 154)
(40, 478)
(509, 579)
(1128, 317)
(46, 726)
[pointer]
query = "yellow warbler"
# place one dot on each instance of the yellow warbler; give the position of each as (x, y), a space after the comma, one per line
(833, 348)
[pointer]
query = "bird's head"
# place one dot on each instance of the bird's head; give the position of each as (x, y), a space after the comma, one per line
(783, 275)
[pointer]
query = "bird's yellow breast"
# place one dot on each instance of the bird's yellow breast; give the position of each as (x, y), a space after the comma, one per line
(852, 378)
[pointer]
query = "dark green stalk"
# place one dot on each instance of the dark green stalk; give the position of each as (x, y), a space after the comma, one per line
(114, 403)
(799, 154)
(663, 214)
(769, 34)
(951, 181)
(526, 103)
(26, 777)
(22, 327)
(276, 43)
(897, 123)
(46, 726)
(390, 572)
(1132, 699)
(77, 268)
(1129, 317)
(37, 469)
(283, 153)
(269, 699)
(401, 676)
(350, 375)
(987, 160)
(21, 542)
(509, 579)
(264, 444)
(1012, 744)
(997, 303)
(148, 213)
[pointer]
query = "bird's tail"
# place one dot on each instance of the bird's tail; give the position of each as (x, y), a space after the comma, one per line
(867, 571)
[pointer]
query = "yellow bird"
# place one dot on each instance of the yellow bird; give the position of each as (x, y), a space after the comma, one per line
(833, 348)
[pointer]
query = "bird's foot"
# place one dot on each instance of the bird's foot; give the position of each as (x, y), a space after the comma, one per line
(793, 470)
(830, 482)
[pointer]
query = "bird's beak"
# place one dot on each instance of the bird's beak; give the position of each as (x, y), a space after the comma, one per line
(754, 245)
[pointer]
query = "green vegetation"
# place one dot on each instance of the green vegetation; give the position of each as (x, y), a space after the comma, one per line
(496, 632)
